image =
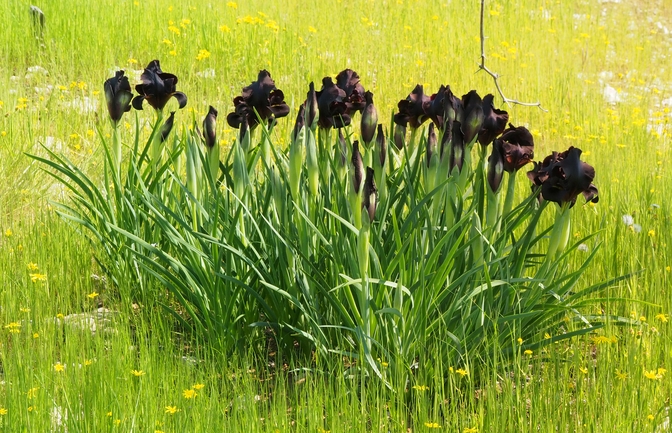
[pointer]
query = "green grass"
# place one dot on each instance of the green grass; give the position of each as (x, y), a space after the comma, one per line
(560, 54)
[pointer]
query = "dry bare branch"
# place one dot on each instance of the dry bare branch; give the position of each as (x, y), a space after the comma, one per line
(494, 75)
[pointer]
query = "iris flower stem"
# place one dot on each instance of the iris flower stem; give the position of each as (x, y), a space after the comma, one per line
(323, 155)
(367, 156)
(433, 179)
(363, 255)
(408, 153)
(266, 149)
(240, 183)
(412, 151)
(313, 162)
(480, 193)
(510, 193)
(356, 207)
(476, 238)
(191, 169)
(300, 228)
(466, 170)
(560, 232)
(296, 155)
(566, 229)
(398, 291)
(450, 204)
(381, 183)
(157, 146)
(492, 217)
(363, 259)
(213, 162)
(116, 149)
(192, 180)
(430, 176)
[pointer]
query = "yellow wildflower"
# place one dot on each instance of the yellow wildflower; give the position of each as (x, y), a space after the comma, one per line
(620, 375)
(198, 386)
(3, 411)
(432, 425)
(59, 367)
(583, 370)
(203, 54)
(172, 410)
(32, 266)
(528, 352)
(37, 277)
(662, 317)
(462, 371)
(600, 339)
(654, 374)
(14, 327)
(92, 295)
(470, 430)
(189, 393)
(137, 373)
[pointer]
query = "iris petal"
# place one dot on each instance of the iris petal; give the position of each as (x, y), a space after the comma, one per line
(137, 102)
(181, 99)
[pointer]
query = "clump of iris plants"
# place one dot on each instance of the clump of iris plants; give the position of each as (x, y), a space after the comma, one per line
(367, 247)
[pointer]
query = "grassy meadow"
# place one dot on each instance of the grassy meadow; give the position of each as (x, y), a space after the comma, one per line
(77, 355)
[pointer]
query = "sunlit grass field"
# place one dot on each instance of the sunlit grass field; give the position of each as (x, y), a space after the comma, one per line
(603, 75)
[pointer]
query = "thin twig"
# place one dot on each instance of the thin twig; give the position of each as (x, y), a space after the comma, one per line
(494, 75)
